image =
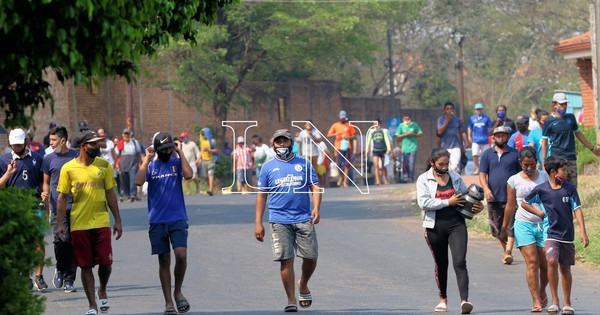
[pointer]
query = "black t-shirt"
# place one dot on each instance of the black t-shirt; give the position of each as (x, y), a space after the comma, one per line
(444, 193)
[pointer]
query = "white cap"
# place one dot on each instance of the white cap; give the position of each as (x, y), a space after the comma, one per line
(16, 136)
(240, 139)
(560, 98)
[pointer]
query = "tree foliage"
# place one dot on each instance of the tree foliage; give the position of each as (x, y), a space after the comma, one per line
(84, 39)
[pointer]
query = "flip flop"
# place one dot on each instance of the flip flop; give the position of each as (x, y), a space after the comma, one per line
(466, 307)
(291, 308)
(91, 312)
(182, 306)
(170, 311)
(104, 304)
(553, 309)
(544, 301)
(536, 309)
(568, 310)
(441, 307)
(305, 300)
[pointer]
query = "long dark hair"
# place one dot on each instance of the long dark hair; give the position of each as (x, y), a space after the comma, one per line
(437, 153)
(527, 152)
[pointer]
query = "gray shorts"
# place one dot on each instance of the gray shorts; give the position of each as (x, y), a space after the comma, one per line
(207, 168)
(290, 238)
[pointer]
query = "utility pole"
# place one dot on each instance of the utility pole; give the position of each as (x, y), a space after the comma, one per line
(459, 37)
(390, 63)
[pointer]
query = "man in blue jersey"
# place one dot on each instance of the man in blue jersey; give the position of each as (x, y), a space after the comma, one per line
(479, 126)
(65, 271)
(23, 168)
(284, 185)
(167, 214)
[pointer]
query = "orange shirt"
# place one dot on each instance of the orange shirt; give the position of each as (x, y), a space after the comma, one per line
(345, 130)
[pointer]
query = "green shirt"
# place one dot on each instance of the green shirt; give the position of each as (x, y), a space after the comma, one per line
(409, 144)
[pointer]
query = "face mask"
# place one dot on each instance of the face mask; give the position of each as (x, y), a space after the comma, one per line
(92, 153)
(407, 122)
(163, 156)
(185, 140)
(501, 115)
(522, 129)
(20, 152)
(560, 180)
(500, 144)
(528, 171)
(58, 148)
(282, 153)
(533, 117)
(440, 172)
(561, 112)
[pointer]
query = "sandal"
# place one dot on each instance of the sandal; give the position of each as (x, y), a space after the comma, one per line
(104, 304)
(544, 301)
(305, 300)
(553, 309)
(182, 306)
(568, 310)
(170, 311)
(440, 307)
(291, 308)
(91, 311)
(536, 309)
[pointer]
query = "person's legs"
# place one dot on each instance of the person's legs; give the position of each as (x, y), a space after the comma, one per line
(87, 280)
(377, 172)
(104, 272)
(286, 270)
(164, 274)
(125, 188)
(457, 242)
(552, 255)
(412, 159)
(437, 239)
(132, 186)
(179, 272)
(308, 268)
(572, 169)
(567, 283)
(530, 254)
(454, 164)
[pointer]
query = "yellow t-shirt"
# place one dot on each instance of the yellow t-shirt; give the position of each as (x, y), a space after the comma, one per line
(88, 184)
(205, 144)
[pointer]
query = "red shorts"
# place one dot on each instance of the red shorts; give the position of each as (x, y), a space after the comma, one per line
(92, 247)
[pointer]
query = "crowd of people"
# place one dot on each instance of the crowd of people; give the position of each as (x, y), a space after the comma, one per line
(527, 170)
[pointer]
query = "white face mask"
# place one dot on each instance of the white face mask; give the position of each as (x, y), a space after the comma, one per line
(58, 148)
(282, 153)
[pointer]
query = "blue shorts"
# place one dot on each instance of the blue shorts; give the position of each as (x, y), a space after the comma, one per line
(564, 252)
(164, 234)
(527, 233)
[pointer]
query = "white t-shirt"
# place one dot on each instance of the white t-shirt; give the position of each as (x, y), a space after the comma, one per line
(190, 151)
(522, 188)
(106, 153)
(309, 148)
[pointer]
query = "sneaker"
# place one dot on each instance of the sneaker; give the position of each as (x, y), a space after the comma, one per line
(132, 199)
(69, 287)
(507, 259)
(210, 193)
(39, 283)
(58, 279)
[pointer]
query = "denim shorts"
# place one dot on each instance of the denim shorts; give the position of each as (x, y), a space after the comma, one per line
(527, 233)
(164, 234)
(296, 238)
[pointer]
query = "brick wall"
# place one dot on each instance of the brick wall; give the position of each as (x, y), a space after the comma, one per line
(587, 91)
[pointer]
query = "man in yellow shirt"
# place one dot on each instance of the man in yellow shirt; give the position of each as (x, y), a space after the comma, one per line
(90, 181)
(207, 154)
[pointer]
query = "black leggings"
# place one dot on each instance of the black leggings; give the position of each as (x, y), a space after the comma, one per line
(450, 232)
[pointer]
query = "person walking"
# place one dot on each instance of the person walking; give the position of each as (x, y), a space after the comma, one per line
(192, 155)
(243, 164)
(529, 229)
(535, 135)
(309, 139)
(408, 132)
(439, 193)
(450, 130)
(89, 179)
(378, 145)
(167, 214)
(66, 271)
(208, 151)
(559, 133)
(479, 126)
(498, 164)
(345, 145)
(22, 168)
(503, 121)
(559, 203)
(129, 152)
(519, 139)
(284, 184)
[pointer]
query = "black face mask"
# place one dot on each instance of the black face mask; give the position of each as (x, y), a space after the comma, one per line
(440, 172)
(92, 153)
(163, 156)
(500, 145)
(522, 130)
(19, 153)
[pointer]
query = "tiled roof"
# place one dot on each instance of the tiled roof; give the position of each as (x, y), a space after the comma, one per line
(581, 42)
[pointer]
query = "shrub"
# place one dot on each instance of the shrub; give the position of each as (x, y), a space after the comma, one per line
(20, 232)
(584, 155)
(223, 170)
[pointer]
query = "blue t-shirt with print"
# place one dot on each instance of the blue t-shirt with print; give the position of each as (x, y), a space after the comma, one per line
(451, 138)
(29, 171)
(479, 128)
(51, 166)
(165, 193)
(558, 205)
(560, 133)
(287, 183)
(499, 170)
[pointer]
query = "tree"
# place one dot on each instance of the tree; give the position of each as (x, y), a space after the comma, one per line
(84, 40)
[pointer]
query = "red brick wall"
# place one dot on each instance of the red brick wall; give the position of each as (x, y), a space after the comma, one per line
(587, 91)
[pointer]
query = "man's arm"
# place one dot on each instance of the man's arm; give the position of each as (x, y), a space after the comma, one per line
(442, 129)
(111, 199)
(586, 143)
(544, 151)
(581, 222)
(317, 196)
(140, 177)
(61, 212)
(509, 211)
(10, 170)
(259, 208)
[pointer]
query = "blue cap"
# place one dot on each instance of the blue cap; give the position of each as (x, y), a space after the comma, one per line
(342, 114)
(478, 106)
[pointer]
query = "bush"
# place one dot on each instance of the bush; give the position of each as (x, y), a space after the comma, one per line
(20, 232)
(584, 155)
(223, 171)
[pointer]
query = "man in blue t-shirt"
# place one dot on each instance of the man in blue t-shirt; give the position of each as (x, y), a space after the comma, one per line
(559, 202)
(558, 136)
(479, 126)
(166, 213)
(66, 270)
(451, 131)
(498, 164)
(284, 185)
(22, 168)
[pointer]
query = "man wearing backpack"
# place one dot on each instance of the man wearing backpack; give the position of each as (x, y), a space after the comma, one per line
(130, 152)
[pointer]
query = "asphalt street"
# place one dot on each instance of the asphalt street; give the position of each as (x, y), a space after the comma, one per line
(373, 260)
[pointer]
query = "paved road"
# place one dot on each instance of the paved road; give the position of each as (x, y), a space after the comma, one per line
(373, 260)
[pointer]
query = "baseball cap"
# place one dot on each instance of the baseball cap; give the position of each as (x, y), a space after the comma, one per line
(30, 133)
(127, 130)
(282, 133)
(16, 136)
(343, 114)
(522, 119)
(560, 98)
(502, 129)
(163, 140)
(86, 136)
(478, 106)
(183, 135)
(240, 139)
